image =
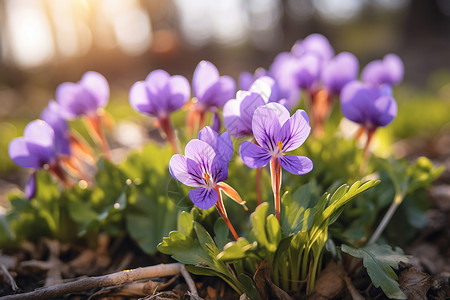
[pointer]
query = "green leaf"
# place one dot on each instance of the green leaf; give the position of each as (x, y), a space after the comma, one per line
(221, 232)
(250, 288)
(237, 250)
(295, 213)
(185, 223)
(184, 249)
(379, 261)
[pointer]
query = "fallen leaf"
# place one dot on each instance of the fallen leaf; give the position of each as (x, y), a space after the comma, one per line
(414, 283)
(330, 282)
(267, 289)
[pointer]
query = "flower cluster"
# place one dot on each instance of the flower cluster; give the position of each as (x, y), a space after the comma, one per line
(260, 112)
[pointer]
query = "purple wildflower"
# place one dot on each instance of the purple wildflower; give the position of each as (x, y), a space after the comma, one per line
(276, 133)
(205, 167)
(53, 115)
(83, 97)
(86, 98)
(238, 113)
(387, 71)
(211, 91)
(339, 71)
(370, 106)
(160, 95)
(35, 150)
(314, 43)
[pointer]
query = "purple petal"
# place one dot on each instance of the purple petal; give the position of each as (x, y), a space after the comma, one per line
(295, 131)
(140, 99)
(158, 79)
(246, 80)
(204, 197)
(205, 75)
(187, 173)
(222, 145)
(266, 124)
(219, 169)
(209, 135)
(298, 165)
(386, 108)
(180, 92)
(30, 188)
(314, 43)
(200, 152)
(53, 116)
(395, 66)
(339, 71)
(356, 99)
(75, 100)
(307, 72)
(216, 122)
(219, 92)
(39, 132)
(388, 71)
(20, 154)
(253, 155)
(36, 148)
(232, 120)
(98, 86)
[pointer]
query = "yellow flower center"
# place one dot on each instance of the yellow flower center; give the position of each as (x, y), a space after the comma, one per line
(207, 177)
(280, 145)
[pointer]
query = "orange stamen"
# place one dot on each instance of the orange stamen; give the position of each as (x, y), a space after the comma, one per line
(280, 145)
(207, 177)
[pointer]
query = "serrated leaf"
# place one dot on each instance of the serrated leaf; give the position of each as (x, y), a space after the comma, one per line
(184, 249)
(379, 260)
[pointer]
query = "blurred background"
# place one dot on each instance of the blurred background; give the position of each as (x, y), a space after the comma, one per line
(46, 42)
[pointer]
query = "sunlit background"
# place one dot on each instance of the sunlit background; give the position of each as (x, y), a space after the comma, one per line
(46, 42)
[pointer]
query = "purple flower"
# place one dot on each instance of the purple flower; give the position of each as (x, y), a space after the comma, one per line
(387, 71)
(339, 71)
(34, 150)
(307, 73)
(53, 115)
(83, 97)
(211, 89)
(283, 70)
(276, 133)
(314, 43)
(238, 113)
(204, 165)
(368, 105)
(160, 94)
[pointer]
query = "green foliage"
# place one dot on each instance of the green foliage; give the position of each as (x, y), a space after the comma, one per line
(195, 247)
(157, 196)
(379, 261)
(292, 250)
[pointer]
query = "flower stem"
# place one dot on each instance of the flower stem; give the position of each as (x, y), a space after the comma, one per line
(275, 175)
(366, 153)
(387, 217)
(319, 110)
(258, 186)
(167, 127)
(223, 214)
(94, 124)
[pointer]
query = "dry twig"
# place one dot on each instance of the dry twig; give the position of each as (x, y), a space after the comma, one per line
(113, 279)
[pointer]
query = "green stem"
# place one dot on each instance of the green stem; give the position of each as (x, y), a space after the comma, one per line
(387, 217)
(312, 279)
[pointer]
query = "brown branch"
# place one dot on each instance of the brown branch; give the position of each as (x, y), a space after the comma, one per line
(113, 279)
(10, 278)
